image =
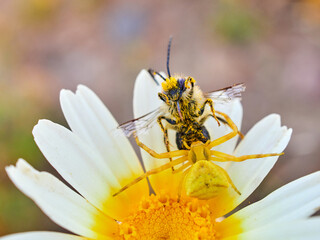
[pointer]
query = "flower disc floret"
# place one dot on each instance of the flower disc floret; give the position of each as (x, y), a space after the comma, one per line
(166, 217)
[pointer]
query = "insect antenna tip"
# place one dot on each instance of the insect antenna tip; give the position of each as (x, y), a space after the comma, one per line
(168, 55)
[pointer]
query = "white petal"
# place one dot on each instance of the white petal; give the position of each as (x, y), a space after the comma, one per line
(82, 167)
(267, 136)
(61, 204)
(93, 123)
(145, 100)
(76, 161)
(296, 200)
(297, 230)
(145, 95)
(41, 236)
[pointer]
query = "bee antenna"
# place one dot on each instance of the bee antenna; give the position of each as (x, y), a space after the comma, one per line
(153, 72)
(160, 75)
(168, 56)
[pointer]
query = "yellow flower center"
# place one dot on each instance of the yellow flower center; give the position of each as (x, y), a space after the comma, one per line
(164, 217)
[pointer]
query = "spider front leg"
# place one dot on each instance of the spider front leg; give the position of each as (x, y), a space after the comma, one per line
(171, 154)
(151, 172)
(224, 157)
(202, 121)
(183, 167)
(228, 136)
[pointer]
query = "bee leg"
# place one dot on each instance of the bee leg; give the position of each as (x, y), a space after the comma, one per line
(186, 145)
(177, 153)
(201, 111)
(166, 142)
(165, 133)
(224, 157)
(210, 102)
(228, 136)
(151, 172)
(202, 121)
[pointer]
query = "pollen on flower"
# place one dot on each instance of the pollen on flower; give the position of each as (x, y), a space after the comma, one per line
(164, 217)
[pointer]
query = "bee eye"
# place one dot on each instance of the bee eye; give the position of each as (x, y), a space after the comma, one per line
(181, 84)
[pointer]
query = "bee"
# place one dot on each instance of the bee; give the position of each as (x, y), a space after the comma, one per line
(183, 109)
(202, 178)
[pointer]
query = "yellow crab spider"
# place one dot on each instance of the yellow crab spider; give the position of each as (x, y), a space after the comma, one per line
(202, 178)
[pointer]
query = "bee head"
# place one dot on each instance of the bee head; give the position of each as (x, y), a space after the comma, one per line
(173, 87)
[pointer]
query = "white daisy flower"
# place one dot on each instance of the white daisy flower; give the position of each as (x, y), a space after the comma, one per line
(97, 164)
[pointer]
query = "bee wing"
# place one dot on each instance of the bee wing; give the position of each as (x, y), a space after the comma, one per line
(226, 94)
(141, 124)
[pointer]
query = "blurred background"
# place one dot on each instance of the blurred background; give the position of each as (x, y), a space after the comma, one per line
(46, 45)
